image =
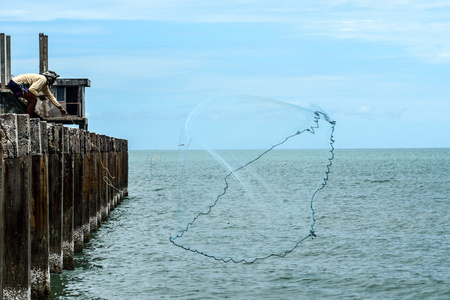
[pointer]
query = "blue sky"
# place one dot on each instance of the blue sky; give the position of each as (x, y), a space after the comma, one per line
(381, 69)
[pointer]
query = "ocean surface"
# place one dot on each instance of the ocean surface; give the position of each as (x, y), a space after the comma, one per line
(382, 227)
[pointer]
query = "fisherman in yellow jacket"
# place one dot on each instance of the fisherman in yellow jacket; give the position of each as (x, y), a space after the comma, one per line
(29, 86)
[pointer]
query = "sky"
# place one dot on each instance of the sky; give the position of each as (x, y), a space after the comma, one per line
(380, 69)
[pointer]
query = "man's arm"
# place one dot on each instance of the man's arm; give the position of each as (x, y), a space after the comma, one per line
(52, 98)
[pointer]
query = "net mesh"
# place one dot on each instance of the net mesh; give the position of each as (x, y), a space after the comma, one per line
(246, 205)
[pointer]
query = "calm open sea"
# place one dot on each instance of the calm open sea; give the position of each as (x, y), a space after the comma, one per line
(383, 231)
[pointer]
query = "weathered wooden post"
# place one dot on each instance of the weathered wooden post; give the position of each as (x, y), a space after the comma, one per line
(93, 182)
(98, 161)
(126, 168)
(68, 246)
(15, 137)
(103, 175)
(2, 221)
(43, 53)
(78, 193)
(8, 58)
(55, 178)
(86, 186)
(118, 170)
(123, 168)
(2, 62)
(111, 170)
(39, 217)
(107, 179)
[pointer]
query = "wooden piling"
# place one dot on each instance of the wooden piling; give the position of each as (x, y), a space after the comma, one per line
(2, 62)
(43, 53)
(86, 186)
(8, 58)
(107, 179)
(115, 170)
(93, 183)
(98, 181)
(123, 168)
(55, 178)
(126, 171)
(15, 132)
(52, 196)
(78, 235)
(68, 211)
(2, 225)
(111, 169)
(104, 203)
(39, 217)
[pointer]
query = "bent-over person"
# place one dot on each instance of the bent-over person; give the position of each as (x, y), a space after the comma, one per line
(29, 86)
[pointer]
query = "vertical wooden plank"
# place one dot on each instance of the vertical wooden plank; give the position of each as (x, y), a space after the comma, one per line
(41, 46)
(119, 170)
(99, 179)
(78, 193)
(45, 54)
(55, 178)
(122, 168)
(15, 133)
(110, 166)
(93, 181)
(41, 53)
(86, 187)
(2, 220)
(102, 171)
(115, 176)
(126, 168)
(8, 58)
(2, 61)
(107, 162)
(39, 217)
(118, 174)
(68, 221)
(105, 158)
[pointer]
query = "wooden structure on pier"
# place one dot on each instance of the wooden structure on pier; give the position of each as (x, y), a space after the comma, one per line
(57, 185)
(70, 92)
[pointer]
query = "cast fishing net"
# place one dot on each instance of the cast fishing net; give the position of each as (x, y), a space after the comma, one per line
(250, 170)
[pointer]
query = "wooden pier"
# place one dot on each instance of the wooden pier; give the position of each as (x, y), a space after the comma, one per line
(57, 185)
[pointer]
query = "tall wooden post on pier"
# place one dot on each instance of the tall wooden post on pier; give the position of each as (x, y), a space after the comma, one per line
(5, 60)
(55, 178)
(93, 186)
(39, 216)
(8, 58)
(2, 223)
(104, 177)
(78, 238)
(15, 132)
(2, 62)
(68, 211)
(111, 191)
(86, 152)
(43, 53)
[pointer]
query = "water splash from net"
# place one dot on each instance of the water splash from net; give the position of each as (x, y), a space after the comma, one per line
(247, 205)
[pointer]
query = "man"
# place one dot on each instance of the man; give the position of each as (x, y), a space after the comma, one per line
(29, 86)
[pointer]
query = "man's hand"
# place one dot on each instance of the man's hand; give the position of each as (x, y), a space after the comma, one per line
(63, 112)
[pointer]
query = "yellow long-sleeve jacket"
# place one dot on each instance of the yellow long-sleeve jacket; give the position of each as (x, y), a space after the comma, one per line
(36, 83)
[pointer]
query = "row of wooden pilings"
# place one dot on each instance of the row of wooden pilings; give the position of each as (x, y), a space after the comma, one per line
(57, 185)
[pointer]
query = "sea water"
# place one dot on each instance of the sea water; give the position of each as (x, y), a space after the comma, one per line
(382, 232)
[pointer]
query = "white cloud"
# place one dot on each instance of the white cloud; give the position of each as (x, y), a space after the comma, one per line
(364, 109)
(420, 27)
